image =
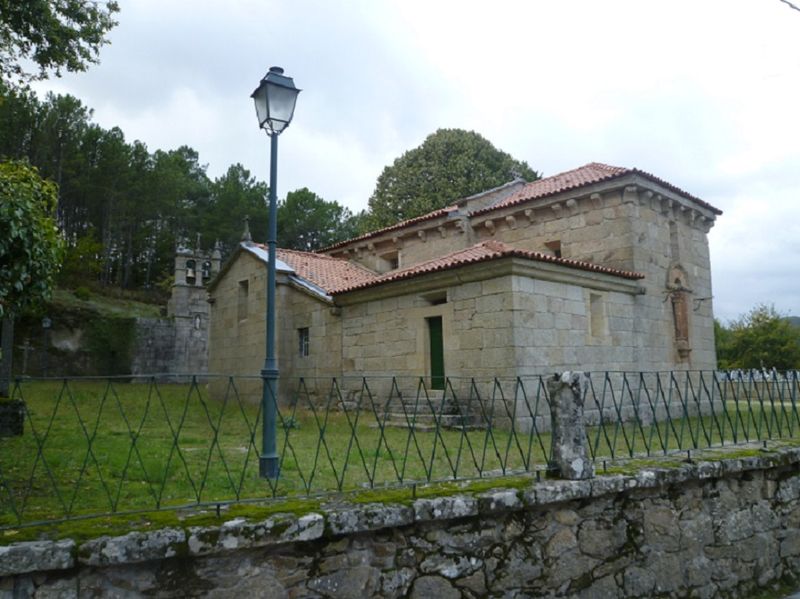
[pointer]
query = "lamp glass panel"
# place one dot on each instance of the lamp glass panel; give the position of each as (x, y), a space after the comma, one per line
(281, 105)
(260, 100)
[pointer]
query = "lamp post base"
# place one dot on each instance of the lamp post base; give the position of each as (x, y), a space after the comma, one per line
(268, 467)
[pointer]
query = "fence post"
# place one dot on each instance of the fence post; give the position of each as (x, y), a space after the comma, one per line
(570, 458)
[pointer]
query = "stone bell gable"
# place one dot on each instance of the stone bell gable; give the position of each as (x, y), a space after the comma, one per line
(600, 267)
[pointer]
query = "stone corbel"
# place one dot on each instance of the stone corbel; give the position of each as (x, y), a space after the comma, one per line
(557, 209)
(398, 242)
(630, 195)
(655, 202)
(529, 214)
(422, 236)
(666, 207)
(461, 226)
(442, 231)
(597, 201)
(489, 224)
(646, 198)
(371, 247)
(511, 221)
(572, 205)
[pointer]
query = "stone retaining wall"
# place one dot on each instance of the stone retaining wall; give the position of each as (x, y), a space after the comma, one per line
(707, 529)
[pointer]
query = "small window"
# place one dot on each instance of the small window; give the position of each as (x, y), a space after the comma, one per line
(302, 341)
(244, 292)
(555, 247)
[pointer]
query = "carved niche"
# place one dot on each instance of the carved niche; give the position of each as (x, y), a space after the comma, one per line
(678, 292)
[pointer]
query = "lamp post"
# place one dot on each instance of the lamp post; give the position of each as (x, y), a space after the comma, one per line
(274, 98)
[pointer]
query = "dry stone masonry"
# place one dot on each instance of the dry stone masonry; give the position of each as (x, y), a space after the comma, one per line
(709, 529)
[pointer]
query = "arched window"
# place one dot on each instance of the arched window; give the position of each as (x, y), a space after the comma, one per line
(191, 272)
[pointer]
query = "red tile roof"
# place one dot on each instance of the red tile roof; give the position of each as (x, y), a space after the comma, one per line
(482, 252)
(401, 225)
(588, 174)
(325, 272)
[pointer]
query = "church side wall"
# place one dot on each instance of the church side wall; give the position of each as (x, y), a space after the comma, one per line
(389, 336)
(563, 326)
(631, 229)
(673, 237)
(237, 327)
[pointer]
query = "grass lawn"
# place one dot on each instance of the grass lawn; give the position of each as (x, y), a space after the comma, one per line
(93, 447)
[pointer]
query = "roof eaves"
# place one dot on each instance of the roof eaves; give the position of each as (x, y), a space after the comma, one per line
(447, 210)
(535, 256)
(311, 288)
(612, 176)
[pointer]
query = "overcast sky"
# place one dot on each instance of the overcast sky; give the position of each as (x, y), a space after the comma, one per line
(704, 94)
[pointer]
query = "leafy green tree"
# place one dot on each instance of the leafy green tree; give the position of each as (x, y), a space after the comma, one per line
(40, 37)
(307, 222)
(30, 246)
(763, 338)
(449, 165)
(234, 196)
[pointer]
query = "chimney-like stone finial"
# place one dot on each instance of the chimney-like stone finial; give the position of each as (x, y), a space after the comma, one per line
(246, 237)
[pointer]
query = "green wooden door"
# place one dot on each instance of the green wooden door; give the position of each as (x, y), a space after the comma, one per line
(436, 351)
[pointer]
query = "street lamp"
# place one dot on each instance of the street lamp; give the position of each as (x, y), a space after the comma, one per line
(274, 98)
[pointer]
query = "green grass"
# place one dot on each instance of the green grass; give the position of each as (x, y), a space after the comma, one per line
(105, 305)
(92, 447)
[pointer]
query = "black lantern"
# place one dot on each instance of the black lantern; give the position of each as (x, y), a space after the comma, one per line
(275, 98)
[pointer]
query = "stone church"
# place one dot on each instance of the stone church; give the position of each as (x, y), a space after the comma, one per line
(598, 268)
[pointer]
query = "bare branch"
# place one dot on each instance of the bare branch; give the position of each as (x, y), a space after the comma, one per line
(794, 6)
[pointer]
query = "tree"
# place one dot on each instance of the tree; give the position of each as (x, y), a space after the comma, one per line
(763, 338)
(30, 246)
(449, 165)
(30, 249)
(307, 222)
(51, 35)
(234, 196)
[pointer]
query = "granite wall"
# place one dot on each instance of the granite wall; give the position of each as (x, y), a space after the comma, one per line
(724, 528)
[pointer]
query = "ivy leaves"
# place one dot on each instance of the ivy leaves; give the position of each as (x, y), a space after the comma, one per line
(31, 248)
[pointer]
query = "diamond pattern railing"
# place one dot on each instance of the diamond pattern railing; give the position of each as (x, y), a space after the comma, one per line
(101, 446)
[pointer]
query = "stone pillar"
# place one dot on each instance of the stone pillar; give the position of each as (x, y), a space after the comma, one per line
(570, 452)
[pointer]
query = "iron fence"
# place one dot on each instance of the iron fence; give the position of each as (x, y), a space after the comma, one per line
(101, 446)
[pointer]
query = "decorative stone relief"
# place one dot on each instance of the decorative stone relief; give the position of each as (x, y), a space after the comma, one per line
(678, 289)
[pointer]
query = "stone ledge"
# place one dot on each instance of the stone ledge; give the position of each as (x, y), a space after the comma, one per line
(36, 556)
(372, 516)
(132, 548)
(239, 534)
(445, 508)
